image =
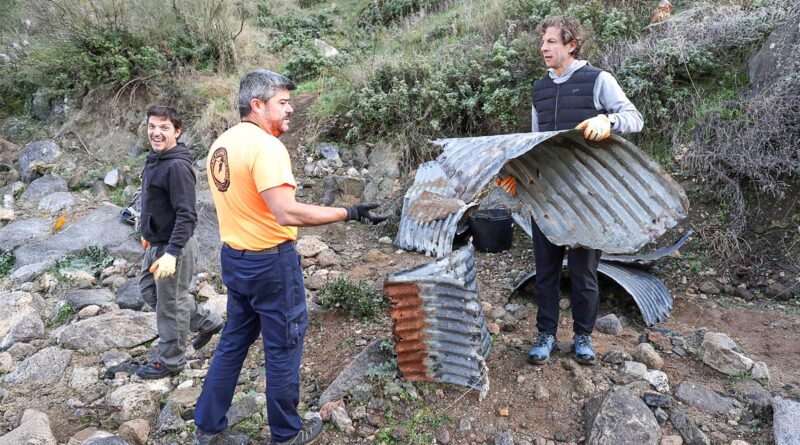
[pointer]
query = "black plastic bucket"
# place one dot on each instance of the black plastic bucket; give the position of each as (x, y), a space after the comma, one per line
(492, 229)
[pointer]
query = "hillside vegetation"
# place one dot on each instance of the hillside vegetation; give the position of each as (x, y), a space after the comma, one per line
(411, 70)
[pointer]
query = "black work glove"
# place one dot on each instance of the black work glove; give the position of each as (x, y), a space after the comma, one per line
(361, 212)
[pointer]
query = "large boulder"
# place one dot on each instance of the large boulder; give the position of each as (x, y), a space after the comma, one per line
(101, 227)
(618, 416)
(691, 433)
(778, 58)
(24, 232)
(29, 327)
(721, 353)
(786, 421)
(46, 367)
(129, 296)
(56, 202)
(757, 399)
(118, 329)
(34, 428)
(44, 151)
(41, 187)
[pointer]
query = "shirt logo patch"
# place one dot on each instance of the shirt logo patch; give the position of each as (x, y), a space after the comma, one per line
(575, 90)
(220, 170)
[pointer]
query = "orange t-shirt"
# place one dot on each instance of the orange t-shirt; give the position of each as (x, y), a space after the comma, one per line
(242, 162)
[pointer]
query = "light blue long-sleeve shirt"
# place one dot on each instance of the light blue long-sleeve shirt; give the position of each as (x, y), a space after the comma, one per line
(609, 99)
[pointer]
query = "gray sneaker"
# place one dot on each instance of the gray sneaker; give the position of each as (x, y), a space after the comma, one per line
(201, 438)
(309, 434)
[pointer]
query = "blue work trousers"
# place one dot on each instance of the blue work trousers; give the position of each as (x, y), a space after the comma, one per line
(266, 296)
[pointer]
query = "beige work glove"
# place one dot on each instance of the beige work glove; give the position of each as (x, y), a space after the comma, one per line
(145, 244)
(509, 184)
(163, 267)
(597, 128)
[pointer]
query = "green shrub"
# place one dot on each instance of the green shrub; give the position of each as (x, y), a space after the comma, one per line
(92, 260)
(110, 56)
(357, 299)
(305, 62)
(386, 12)
(62, 314)
(7, 260)
(293, 29)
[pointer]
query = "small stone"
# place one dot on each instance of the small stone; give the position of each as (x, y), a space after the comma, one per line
(744, 294)
(615, 357)
(6, 363)
(494, 328)
(310, 246)
(564, 346)
(709, 287)
(609, 324)
(443, 436)
(645, 353)
(760, 371)
(112, 178)
(88, 311)
(135, 431)
(504, 438)
(464, 425)
(385, 240)
(656, 399)
(739, 442)
(540, 392)
(503, 412)
(564, 304)
(661, 416)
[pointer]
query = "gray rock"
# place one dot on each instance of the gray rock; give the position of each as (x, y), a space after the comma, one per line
(646, 353)
(14, 306)
(609, 324)
(28, 231)
(504, 438)
(46, 367)
(722, 354)
(41, 187)
(692, 435)
(760, 371)
(112, 178)
(34, 428)
(207, 233)
(229, 437)
(115, 358)
(80, 298)
(786, 421)
(709, 287)
(20, 351)
(384, 161)
(169, 419)
(779, 57)
(618, 416)
(326, 49)
(134, 402)
(101, 228)
(40, 105)
(661, 416)
(310, 246)
(328, 151)
(29, 272)
(755, 397)
(45, 151)
(129, 296)
(340, 419)
(616, 357)
(57, 201)
(242, 409)
(101, 333)
(703, 398)
(657, 399)
(29, 327)
(83, 378)
(341, 189)
(378, 189)
(328, 258)
(355, 373)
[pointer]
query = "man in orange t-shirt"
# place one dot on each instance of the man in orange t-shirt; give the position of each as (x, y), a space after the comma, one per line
(250, 175)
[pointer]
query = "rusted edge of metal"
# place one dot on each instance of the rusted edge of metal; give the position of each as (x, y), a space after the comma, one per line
(439, 328)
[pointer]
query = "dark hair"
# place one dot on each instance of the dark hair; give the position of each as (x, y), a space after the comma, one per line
(571, 31)
(260, 84)
(168, 113)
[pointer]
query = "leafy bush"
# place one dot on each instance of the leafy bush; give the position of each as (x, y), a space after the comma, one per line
(7, 260)
(357, 299)
(111, 56)
(306, 62)
(386, 12)
(292, 29)
(62, 314)
(92, 260)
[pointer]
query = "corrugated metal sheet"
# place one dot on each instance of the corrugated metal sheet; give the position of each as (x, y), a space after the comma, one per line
(439, 329)
(606, 195)
(647, 259)
(431, 213)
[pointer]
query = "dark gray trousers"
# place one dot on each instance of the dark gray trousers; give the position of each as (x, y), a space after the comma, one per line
(176, 310)
(585, 292)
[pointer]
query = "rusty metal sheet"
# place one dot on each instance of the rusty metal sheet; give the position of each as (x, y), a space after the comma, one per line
(439, 329)
(649, 292)
(601, 195)
(432, 213)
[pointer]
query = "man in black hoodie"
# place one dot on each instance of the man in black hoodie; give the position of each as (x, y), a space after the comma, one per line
(168, 220)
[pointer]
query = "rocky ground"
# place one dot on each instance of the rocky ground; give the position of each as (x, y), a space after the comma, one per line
(724, 369)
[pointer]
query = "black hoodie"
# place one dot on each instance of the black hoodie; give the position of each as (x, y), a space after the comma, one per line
(169, 212)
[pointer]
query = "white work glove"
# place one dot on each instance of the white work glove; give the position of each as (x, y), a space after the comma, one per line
(597, 128)
(163, 267)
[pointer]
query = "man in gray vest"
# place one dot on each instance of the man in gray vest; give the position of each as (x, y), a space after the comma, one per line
(573, 94)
